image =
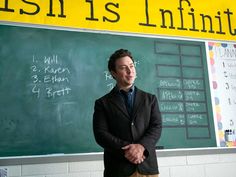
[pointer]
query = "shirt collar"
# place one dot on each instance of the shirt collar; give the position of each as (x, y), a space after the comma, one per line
(131, 90)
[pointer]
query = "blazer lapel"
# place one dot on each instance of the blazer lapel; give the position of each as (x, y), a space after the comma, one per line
(137, 102)
(118, 102)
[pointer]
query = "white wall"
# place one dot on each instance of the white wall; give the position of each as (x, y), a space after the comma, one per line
(172, 164)
(218, 165)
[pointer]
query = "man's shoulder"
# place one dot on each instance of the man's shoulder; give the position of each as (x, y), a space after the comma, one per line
(144, 93)
(107, 95)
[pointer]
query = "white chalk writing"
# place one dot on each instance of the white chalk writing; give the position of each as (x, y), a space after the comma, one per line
(50, 77)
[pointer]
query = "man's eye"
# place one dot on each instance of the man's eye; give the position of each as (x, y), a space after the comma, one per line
(123, 67)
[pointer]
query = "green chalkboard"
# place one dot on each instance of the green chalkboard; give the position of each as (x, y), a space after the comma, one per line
(49, 80)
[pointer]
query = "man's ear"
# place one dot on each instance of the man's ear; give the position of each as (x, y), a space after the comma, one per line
(113, 74)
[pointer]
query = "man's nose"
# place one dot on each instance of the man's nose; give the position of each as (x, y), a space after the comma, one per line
(128, 69)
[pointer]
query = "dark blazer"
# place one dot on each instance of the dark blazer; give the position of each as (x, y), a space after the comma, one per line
(114, 128)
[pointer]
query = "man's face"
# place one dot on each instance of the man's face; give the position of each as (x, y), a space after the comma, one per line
(125, 73)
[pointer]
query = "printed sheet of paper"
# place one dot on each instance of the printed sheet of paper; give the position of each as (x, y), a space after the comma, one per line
(222, 75)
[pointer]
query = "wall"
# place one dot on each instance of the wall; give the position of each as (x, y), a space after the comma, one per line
(215, 162)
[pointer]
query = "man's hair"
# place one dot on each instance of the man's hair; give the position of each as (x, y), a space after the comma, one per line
(117, 55)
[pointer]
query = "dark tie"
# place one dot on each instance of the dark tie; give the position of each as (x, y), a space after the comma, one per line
(128, 100)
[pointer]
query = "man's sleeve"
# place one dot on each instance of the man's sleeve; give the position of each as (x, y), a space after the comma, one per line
(101, 130)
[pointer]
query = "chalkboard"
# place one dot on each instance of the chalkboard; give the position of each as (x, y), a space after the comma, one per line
(49, 80)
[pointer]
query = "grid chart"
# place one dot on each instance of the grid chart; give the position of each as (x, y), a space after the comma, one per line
(181, 88)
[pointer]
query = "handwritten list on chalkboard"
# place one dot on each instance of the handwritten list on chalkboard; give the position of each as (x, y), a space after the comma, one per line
(50, 77)
(222, 69)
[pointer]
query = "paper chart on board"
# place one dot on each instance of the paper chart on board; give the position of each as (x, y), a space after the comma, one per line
(222, 75)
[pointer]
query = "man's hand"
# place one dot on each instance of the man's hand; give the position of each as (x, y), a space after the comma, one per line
(134, 153)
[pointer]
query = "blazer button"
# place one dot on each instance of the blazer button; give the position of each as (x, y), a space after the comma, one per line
(132, 124)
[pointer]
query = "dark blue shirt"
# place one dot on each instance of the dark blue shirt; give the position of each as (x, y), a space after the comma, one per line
(128, 98)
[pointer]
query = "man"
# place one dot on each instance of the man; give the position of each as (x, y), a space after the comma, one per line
(127, 123)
